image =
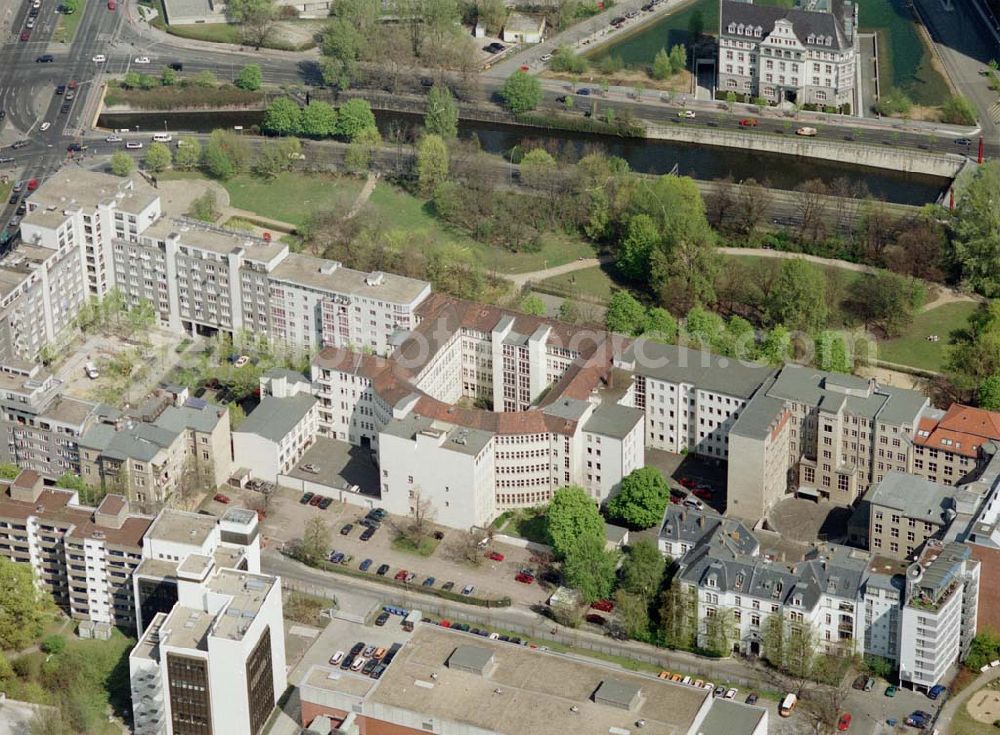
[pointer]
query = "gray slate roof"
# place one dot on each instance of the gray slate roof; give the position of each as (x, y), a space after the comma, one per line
(914, 496)
(804, 22)
(614, 420)
(275, 417)
(731, 718)
(708, 371)
(180, 418)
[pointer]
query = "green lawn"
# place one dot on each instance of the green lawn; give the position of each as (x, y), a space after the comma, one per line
(595, 283)
(529, 524)
(426, 546)
(914, 349)
(292, 197)
(230, 33)
(66, 27)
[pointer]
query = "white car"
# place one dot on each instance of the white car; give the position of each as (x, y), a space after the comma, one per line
(359, 663)
(37, 4)
(689, 114)
(546, 58)
(99, 59)
(113, 139)
(336, 658)
(45, 126)
(133, 144)
(241, 361)
(731, 694)
(141, 60)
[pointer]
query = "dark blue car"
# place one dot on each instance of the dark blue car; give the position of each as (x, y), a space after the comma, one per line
(365, 564)
(936, 691)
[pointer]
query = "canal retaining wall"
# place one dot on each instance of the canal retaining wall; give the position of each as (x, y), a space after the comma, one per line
(910, 161)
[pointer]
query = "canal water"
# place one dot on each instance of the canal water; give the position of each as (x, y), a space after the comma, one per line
(645, 156)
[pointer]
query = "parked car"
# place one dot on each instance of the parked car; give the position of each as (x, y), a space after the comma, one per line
(113, 139)
(315, 500)
(918, 718)
(365, 565)
(76, 148)
(603, 605)
(346, 529)
(306, 497)
(99, 58)
(687, 482)
(687, 114)
(410, 576)
(382, 619)
(45, 126)
(45, 59)
(583, 92)
(448, 586)
(859, 682)
(524, 578)
(869, 683)
(376, 514)
(731, 694)
(401, 575)
(693, 502)
(495, 556)
(382, 570)
(748, 122)
(378, 671)
(309, 466)
(844, 723)
(806, 132)
(890, 691)
(358, 664)
(429, 582)
(336, 557)
(367, 534)
(347, 662)
(369, 651)
(936, 691)
(752, 698)
(141, 60)
(220, 498)
(468, 589)
(963, 141)
(336, 658)
(596, 619)
(369, 667)
(720, 691)
(133, 144)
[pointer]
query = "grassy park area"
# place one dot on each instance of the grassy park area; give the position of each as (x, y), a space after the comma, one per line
(915, 349)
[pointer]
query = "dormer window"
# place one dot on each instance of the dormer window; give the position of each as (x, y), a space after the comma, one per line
(829, 40)
(732, 28)
(739, 29)
(712, 582)
(811, 39)
(758, 31)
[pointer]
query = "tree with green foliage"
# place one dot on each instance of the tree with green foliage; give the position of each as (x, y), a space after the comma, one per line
(590, 568)
(773, 638)
(632, 612)
(642, 238)
(662, 67)
(895, 102)
(432, 163)
(989, 393)
(983, 649)
(54, 644)
(776, 347)
(122, 163)
(798, 297)
(721, 631)
(205, 207)
(642, 570)
(256, 19)
(205, 78)
(703, 328)
(341, 43)
(158, 158)
(130, 80)
(148, 81)
(538, 168)
(188, 154)
(22, 605)
(225, 154)
(976, 231)
(272, 158)
(442, 113)
(565, 60)
(660, 326)
(679, 616)
(678, 58)
(624, 315)
(832, 353)
(361, 150)
(569, 312)
(283, 117)
(572, 515)
(887, 300)
(521, 92)
(71, 481)
(643, 497)
(958, 111)
(354, 117)
(492, 14)
(168, 77)
(250, 78)
(9, 470)
(70, 6)
(974, 352)
(800, 650)
(532, 304)
(318, 120)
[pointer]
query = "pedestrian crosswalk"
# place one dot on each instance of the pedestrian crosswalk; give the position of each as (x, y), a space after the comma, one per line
(995, 112)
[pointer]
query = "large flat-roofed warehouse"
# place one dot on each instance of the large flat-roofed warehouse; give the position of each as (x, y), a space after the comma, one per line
(446, 682)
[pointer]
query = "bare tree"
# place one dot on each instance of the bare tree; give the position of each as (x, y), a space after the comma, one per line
(196, 476)
(421, 517)
(812, 209)
(315, 540)
(753, 202)
(824, 705)
(720, 203)
(470, 546)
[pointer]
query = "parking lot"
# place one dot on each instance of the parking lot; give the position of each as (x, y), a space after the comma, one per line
(685, 471)
(286, 517)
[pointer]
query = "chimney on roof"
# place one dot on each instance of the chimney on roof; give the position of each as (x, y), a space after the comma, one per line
(27, 486)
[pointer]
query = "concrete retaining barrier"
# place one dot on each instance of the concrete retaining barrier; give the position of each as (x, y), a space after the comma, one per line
(945, 164)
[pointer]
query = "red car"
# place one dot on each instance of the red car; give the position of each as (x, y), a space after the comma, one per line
(495, 556)
(71, 84)
(32, 184)
(445, 623)
(845, 722)
(316, 500)
(748, 122)
(524, 578)
(687, 482)
(220, 498)
(112, 5)
(401, 575)
(604, 605)
(25, 35)
(703, 493)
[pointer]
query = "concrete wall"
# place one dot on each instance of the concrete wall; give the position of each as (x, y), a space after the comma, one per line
(946, 165)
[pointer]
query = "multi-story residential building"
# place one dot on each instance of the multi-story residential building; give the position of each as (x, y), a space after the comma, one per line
(904, 511)
(951, 446)
(843, 434)
(884, 592)
(276, 434)
(939, 616)
(211, 657)
(802, 55)
(83, 556)
(84, 211)
(170, 442)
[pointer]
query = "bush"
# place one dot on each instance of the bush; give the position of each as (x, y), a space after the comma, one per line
(564, 60)
(53, 643)
(894, 103)
(958, 111)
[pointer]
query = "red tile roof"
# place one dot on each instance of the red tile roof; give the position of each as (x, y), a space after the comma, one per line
(962, 430)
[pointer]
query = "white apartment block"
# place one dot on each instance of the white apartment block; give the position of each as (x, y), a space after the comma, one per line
(211, 657)
(939, 615)
(276, 435)
(803, 55)
(84, 557)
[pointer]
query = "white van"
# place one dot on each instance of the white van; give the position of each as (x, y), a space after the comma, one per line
(91, 370)
(787, 705)
(162, 137)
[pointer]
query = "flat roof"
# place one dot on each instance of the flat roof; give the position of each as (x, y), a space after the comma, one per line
(731, 718)
(458, 438)
(328, 275)
(182, 527)
(79, 187)
(614, 420)
(215, 239)
(536, 690)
